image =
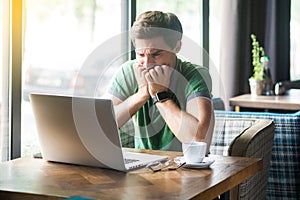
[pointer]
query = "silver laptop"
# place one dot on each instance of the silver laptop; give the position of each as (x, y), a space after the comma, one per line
(83, 131)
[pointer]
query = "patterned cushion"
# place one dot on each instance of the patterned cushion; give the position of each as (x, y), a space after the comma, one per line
(225, 132)
(284, 177)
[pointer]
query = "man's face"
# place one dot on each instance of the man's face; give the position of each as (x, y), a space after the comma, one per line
(155, 51)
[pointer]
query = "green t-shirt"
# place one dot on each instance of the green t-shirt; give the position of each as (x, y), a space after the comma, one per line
(188, 81)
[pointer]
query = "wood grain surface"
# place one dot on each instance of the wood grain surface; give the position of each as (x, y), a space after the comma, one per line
(29, 178)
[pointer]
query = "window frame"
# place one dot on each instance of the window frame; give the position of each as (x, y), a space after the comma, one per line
(15, 82)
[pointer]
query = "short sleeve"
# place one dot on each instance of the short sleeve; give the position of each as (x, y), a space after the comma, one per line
(124, 83)
(200, 84)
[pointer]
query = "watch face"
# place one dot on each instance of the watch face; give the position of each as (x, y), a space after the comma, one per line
(162, 96)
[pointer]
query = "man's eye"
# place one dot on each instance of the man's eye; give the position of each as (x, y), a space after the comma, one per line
(155, 55)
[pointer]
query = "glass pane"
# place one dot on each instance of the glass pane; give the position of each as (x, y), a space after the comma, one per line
(186, 11)
(59, 37)
(214, 31)
(214, 47)
(295, 40)
(4, 67)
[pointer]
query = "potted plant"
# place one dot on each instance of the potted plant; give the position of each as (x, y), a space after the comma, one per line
(256, 80)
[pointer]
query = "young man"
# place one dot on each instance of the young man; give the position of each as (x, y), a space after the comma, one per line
(168, 99)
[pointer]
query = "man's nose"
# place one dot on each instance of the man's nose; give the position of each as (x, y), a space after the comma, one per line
(148, 59)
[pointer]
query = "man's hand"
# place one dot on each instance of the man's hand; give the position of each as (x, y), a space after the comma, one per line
(140, 72)
(158, 79)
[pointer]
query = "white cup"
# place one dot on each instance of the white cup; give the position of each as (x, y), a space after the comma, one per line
(194, 152)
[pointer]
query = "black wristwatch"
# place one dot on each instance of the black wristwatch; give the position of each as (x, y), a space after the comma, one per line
(161, 96)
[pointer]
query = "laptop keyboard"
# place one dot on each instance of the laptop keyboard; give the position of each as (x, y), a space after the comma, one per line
(128, 160)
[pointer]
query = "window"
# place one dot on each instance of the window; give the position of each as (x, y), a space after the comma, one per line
(295, 40)
(214, 47)
(214, 31)
(59, 35)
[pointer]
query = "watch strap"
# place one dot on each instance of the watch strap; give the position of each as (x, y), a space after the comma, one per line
(161, 96)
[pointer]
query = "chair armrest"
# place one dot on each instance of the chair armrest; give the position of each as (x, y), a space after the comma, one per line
(260, 134)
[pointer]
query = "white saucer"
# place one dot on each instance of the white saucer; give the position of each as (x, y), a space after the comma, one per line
(201, 165)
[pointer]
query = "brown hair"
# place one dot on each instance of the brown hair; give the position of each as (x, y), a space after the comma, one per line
(152, 24)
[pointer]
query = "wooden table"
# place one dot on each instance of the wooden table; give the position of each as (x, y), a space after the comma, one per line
(29, 178)
(289, 101)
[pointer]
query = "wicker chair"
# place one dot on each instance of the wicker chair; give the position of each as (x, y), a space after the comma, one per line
(246, 138)
(284, 176)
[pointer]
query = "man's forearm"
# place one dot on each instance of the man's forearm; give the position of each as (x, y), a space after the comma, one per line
(184, 125)
(129, 107)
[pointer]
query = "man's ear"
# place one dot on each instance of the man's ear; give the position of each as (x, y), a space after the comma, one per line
(178, 46)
